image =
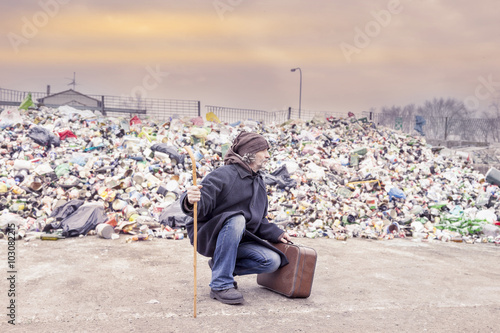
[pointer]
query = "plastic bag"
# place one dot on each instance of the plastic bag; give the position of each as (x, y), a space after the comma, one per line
(173, 216)
(43, 169)
(396, 193)
(10, 117)
(80, 159)
(280, 178)
(66, 134)
(10, 218)
(212, 117)
(419, 123)
(200, 133)
(135, 121)
(84, 219)
(70, 113)
(27, 103)
(44, 137)
(170, 150)
(490, 230)
(487, 215)
(62, 169)
(197, 121)
(63, 211)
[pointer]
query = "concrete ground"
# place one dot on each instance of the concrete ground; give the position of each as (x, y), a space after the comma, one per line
(96, 285)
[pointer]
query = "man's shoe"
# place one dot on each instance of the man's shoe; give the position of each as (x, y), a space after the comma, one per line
(227, 296)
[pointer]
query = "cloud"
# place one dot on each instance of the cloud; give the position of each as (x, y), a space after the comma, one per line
(429, 48)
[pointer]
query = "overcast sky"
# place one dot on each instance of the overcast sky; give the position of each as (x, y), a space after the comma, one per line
(354, 55)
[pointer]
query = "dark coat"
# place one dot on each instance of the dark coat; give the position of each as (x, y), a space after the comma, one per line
(228, 191)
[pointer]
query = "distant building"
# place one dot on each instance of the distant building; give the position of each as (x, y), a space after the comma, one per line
(72, 98)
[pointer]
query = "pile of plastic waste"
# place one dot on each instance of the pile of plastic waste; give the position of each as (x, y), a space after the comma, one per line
(66, 172)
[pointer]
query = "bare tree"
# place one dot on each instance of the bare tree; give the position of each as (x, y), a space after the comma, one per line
(388, 116)
(492, 127)
(444, 117)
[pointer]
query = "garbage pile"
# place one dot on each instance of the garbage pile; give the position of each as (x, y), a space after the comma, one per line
(66, 172)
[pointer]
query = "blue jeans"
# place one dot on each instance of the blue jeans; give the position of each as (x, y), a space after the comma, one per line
(234, 258)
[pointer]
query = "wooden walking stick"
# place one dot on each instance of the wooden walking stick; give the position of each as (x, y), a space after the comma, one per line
(195, 218)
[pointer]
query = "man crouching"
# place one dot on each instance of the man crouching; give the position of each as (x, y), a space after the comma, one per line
(232, 223)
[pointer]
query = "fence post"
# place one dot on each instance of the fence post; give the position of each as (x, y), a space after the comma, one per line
(199, 109)
(445, 128)
(289, 112)
(102, 105)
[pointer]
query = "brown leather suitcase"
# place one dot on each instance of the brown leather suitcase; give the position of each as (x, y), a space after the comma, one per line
(296, 278)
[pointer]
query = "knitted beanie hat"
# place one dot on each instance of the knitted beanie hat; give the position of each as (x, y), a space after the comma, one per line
(249, 143)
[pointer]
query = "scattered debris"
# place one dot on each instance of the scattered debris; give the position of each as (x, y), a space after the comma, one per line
(66, 172)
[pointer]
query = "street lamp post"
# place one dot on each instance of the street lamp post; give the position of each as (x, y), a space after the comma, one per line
(300, 93)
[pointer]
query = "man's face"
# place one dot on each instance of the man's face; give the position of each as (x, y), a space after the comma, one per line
(260, 161)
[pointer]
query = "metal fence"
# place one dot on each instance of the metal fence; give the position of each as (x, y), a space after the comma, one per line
(159, 109)
(307, 115)
(10, 97)
(232, 115)
(119, 106)
(444, 128)
(436, 128)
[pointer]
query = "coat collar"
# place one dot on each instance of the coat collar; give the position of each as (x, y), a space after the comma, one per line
(244, 173)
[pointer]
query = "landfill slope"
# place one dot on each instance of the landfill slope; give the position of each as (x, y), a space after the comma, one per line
(65, 171)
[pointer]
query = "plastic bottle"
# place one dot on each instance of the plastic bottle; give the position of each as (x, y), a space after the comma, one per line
(51, 237)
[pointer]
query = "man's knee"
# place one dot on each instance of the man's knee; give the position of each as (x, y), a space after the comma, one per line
(274, 262)
(237, 224)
